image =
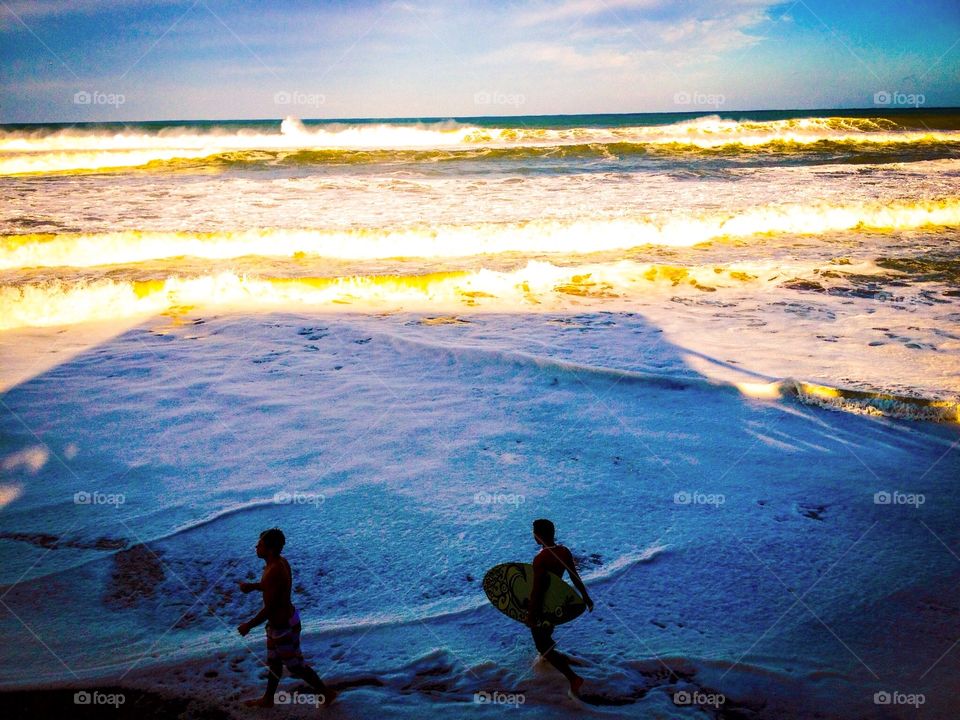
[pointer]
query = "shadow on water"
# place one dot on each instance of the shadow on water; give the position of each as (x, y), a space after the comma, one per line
(403, 456)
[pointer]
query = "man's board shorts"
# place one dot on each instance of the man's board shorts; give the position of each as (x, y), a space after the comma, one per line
(283, 643)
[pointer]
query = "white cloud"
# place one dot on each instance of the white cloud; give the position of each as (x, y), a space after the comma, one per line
(653, 34)
(9, 493)
(31, 459)
(564, 56)
(574, 10)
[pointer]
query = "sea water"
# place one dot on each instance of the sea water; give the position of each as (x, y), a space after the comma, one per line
(717, 350)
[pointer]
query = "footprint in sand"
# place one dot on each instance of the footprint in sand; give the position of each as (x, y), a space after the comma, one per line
(814, 512)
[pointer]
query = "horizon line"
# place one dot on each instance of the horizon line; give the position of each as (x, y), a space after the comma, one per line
(441, 118)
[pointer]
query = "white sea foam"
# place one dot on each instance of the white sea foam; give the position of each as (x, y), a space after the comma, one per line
(70, 150)
(562, 237)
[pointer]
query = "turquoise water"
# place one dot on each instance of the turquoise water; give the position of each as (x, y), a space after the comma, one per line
(933, 118)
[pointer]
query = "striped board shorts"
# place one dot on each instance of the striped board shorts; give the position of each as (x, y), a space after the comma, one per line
(283, 644)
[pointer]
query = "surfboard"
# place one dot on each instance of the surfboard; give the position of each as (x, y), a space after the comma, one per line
(508, 587)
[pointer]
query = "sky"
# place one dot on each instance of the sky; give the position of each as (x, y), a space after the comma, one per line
(126, 60)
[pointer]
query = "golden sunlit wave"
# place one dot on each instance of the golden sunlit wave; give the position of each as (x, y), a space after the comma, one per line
(83, 150)
(536, 286)
(541, 236)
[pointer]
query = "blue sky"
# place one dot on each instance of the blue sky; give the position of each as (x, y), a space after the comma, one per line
(78, 60)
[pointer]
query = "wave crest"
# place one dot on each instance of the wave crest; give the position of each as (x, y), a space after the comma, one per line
(566, 237)
(79, 150)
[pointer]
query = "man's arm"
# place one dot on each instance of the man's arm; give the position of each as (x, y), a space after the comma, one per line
(578, 584)
(246, 587)
(269, 584)
(581, 588)
(261, 616)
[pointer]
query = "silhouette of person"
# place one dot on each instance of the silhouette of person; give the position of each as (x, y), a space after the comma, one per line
(283, 622)
(556, 559)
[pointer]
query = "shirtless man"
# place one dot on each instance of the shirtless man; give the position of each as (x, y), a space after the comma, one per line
(556, 559)
(283, 622)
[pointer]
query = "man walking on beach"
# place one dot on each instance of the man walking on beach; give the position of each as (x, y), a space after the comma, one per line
(556, 559)
(283, 622)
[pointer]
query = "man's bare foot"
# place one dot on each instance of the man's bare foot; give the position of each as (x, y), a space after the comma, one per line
(259, 702)
(575, 685)
(328, 697)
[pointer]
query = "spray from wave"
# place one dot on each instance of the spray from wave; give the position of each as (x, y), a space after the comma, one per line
(87, 150)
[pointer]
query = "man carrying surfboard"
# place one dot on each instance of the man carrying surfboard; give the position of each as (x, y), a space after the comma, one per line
(283, 622)
(552, 559)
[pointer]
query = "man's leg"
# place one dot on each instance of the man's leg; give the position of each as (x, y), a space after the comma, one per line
(273, 679)
(299, 669)
(275, 670)
(309, 676)
(543, 639)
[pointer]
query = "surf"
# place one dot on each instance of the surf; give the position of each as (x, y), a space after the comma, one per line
(575, 236)
(537, 286)
(85, 150)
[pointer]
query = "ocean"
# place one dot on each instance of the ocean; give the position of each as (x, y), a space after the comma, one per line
(721, 351)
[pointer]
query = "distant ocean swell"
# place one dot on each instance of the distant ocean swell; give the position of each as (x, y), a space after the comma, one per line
(30, 152)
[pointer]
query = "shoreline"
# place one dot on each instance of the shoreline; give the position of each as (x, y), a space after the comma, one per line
(664, 687)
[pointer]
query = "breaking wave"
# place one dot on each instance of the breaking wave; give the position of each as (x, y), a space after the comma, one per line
(73, 150)
(574, 236)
